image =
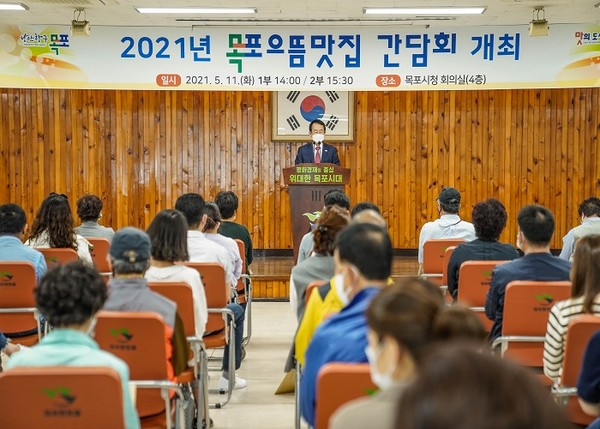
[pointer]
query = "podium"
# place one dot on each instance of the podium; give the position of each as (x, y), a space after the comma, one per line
(307, 184)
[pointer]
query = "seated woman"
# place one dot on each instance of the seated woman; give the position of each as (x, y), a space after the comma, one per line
(70, 296)
(585, 299)
(53, 226)
(403, 320)
(459, 387)
(89, 210)
(320, 266)
(168, 234)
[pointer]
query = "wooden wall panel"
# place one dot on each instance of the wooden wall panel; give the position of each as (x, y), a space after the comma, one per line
(139, 150)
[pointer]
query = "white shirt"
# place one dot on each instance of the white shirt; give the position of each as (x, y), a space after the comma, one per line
(447, 226)
(232, 251)
(202, 249)
(181, 273)
(569, 240)
(83, 246)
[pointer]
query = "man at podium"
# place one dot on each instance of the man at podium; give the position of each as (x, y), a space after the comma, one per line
(317, 151)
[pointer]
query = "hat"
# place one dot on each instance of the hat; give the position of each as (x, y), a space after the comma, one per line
(130, 244)
(449, 196)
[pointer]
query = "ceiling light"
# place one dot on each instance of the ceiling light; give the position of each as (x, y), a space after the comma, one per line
(197, 10)
(420, 11)
(13, 6)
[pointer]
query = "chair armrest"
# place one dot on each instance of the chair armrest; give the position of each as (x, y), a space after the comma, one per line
(504, 340)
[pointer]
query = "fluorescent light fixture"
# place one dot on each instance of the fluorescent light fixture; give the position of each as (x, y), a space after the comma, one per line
(13, 6)
(422, 11)
(197, 10)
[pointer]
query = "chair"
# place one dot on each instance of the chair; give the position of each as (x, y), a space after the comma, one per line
(444, 285)
(220, 327)
(433, 258)
(181, 294)
(527, 306)
(337, 384)
(579, 332)
(474, 279)
(57, 256)
(138, 338)
(99, 254)
(18, 312)
(244, 290)
(62, 397)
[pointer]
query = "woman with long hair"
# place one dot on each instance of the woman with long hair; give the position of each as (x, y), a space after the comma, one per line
(53, 227)
(585, 299)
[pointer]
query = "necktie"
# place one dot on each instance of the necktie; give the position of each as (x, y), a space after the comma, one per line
(318, 154)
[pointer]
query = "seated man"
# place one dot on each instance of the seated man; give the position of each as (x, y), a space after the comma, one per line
(536, 227)
(227, 202)
(449, 225)
(128, 291)
(589, 213)
(70, 296)
(588, 385)
(89, 210)
(489, 219)
(363, 258)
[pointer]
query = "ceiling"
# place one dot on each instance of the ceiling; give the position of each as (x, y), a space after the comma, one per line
(290, 12)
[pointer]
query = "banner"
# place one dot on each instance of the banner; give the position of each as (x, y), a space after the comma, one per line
(305, 59)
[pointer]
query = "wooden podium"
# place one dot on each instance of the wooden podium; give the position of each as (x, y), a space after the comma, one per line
(307, 184)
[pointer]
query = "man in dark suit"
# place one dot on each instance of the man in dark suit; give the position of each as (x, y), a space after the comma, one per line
(317, 151)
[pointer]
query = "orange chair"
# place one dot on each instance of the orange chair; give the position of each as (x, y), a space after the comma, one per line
(57, 256)
(527, 306)
(474, 279)
(244, 290)
(444, 285)
(220, 326)
(337, 384)
(580, 331)
(17, 301)
(181, 294)
(62, 397)
(99, 254)
(139, 339)
(433, 258)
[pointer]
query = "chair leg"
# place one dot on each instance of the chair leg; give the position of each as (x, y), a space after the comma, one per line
(246, 339)
(202, 396)
(231, 359)
(297, 417)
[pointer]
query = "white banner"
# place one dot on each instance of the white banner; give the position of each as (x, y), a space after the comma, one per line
(304, 59)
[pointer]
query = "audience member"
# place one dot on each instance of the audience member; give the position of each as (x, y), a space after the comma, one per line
(53, 227)
(70, 296)
(201, 249)
(333, 197)
(449, 225)
(363, 257)
(324, 300)
(364, 205)
(13, 228)
(128, 291)
(489, 219)
(89, 210)
(589, 214)
(585, 298)
(7, 348)
(227, 202)
(404, 320)
(168, 237)
(321, 265)
(536, 226)
(588, 384)
(213, 221)
(459, 387)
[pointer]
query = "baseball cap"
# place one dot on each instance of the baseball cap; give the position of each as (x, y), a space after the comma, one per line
(130, 244)
(449, 196)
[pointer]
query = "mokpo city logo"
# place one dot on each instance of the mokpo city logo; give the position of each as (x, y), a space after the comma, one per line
(122, 335)
(63, 395)
(6, 276)
(545, 299)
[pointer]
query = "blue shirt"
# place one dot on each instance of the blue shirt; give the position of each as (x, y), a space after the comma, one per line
(533, 266)
(12, 249)
(67, 347)
(342, 338)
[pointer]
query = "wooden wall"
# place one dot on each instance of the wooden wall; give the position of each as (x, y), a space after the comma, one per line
(139, 150)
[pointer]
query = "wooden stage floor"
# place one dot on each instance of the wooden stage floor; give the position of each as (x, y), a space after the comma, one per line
(271, 275)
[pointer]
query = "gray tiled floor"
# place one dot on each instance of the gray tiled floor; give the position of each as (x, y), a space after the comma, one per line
(256, 406)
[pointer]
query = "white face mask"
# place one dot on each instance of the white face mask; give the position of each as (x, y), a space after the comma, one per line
(383, 381)
(318, 138)
(338, 281)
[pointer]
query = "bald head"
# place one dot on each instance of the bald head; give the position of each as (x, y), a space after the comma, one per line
(370, 216)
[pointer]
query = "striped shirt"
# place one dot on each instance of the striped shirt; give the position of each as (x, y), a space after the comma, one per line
(556, 332)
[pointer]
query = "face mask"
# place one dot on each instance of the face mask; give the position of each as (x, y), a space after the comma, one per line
(383, 381)
(318, 138)
(338, 280)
